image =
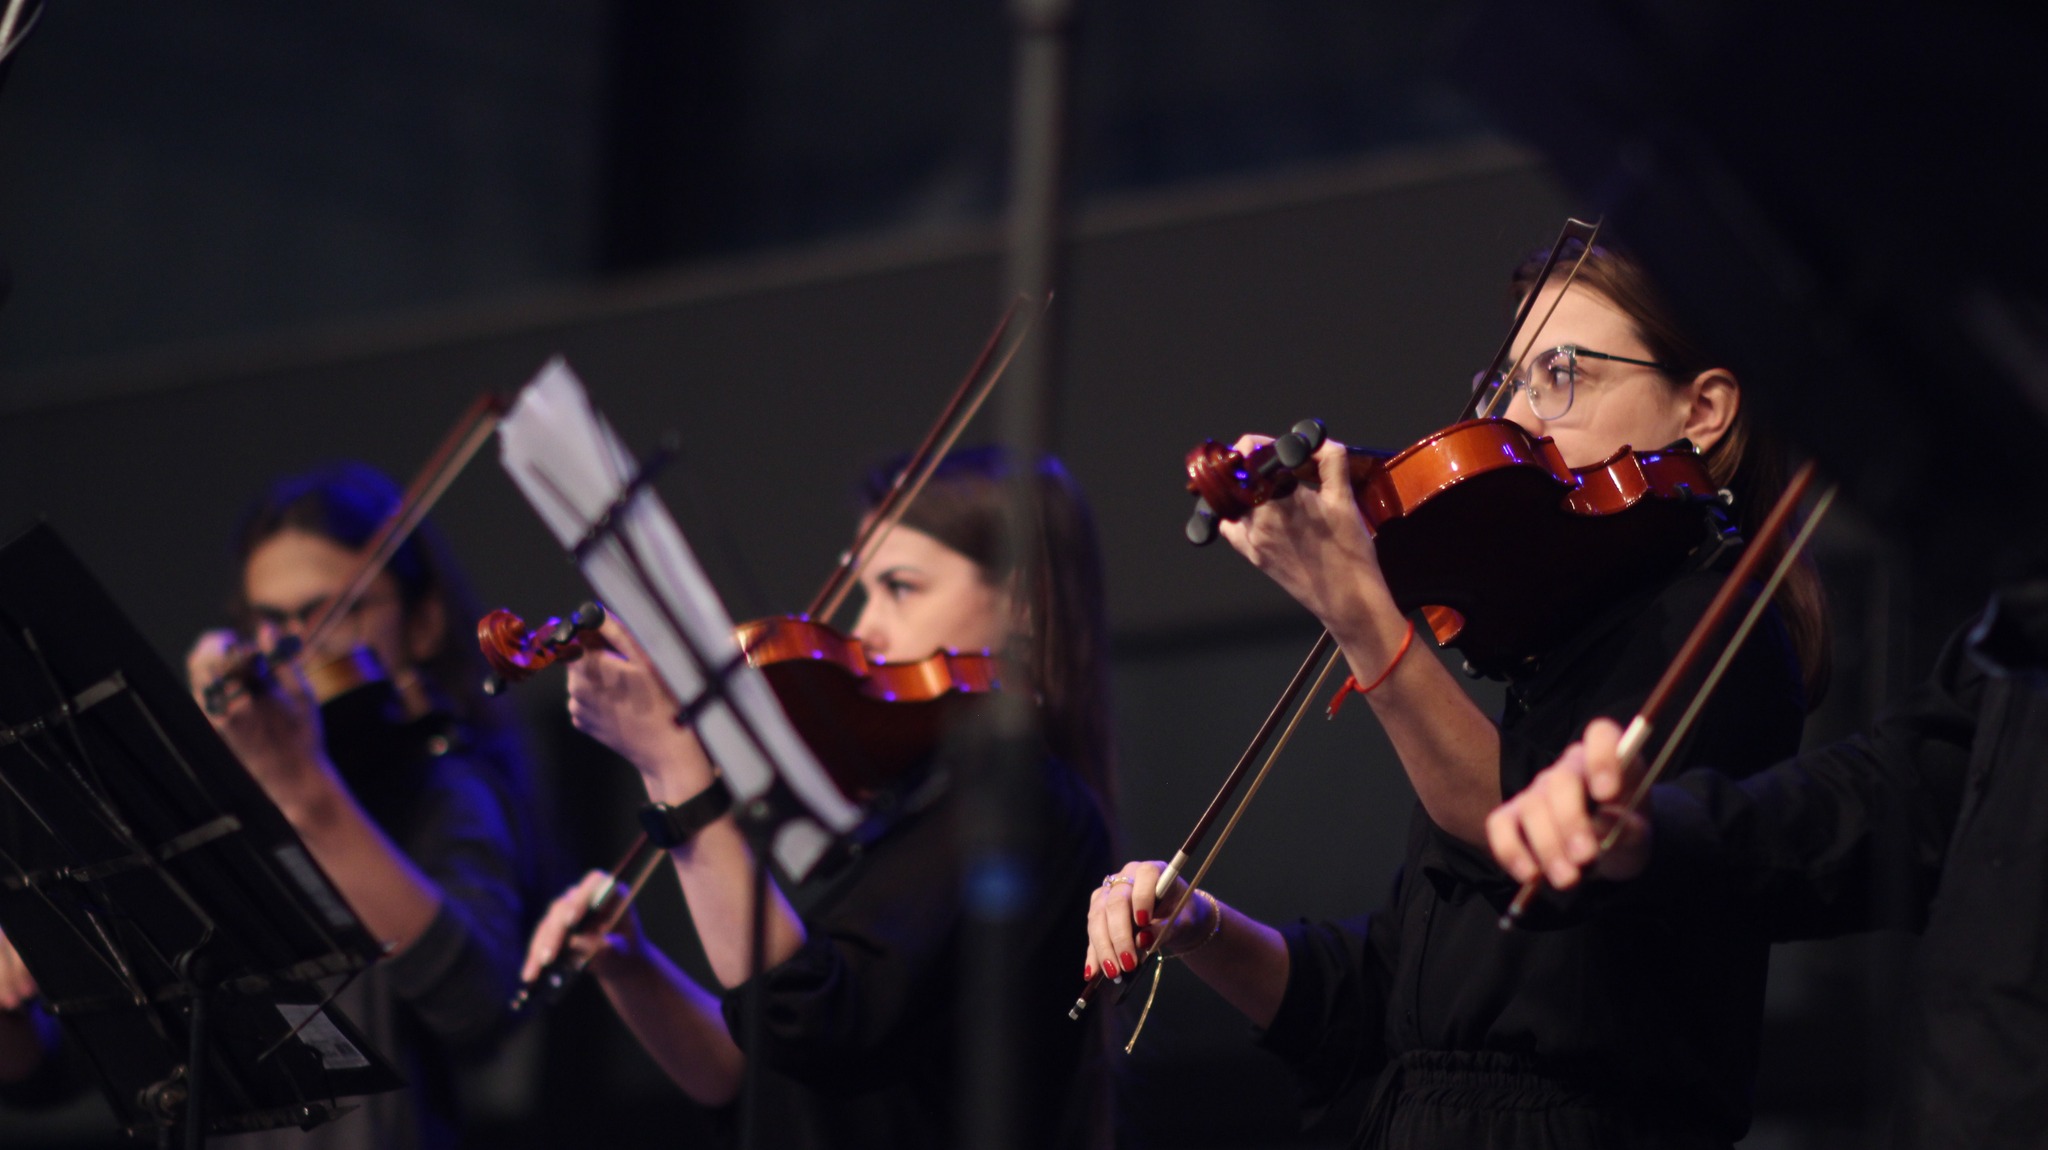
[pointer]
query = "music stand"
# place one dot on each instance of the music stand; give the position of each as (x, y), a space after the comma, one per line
(175, 923)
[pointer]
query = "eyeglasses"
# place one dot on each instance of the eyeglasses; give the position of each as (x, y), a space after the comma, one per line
(1549, 378)
(288, 619)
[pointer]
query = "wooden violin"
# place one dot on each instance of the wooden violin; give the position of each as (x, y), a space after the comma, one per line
(515, 651)
(866, 720)
(869, 721)
(251, 672)
(1455, 513)
(1455, 516)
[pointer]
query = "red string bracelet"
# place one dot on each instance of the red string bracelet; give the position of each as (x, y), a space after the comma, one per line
(1351, 686)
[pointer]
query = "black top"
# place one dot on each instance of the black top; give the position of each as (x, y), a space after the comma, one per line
(1935, 818)
(863, 1028)
(1659, 1017)
(455, 809)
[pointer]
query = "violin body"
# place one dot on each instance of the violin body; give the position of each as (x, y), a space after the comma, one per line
(1483, 528)
(868, 721)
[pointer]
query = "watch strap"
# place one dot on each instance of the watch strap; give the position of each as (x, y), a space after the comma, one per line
(669, 827)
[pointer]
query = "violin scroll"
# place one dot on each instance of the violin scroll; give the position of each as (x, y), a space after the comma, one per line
(516, 651)
(1227, 485)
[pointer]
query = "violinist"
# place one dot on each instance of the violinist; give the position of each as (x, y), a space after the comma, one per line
(1596, 1035)
(862, 1019)
(1929, 820)
(408, 786)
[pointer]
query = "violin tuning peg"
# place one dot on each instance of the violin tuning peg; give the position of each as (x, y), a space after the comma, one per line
(1201, 526)
(562, 630)
(1289, 452)
(588, 617)
(1294, 448)
(494, 685)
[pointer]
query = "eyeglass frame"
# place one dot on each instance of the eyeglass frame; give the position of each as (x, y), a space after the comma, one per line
(1508, 384)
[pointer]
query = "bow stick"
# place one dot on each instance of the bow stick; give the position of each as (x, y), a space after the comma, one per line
(1640, 728)
(953, 419)
(1321, 654)
(611, 900)
(471, 431)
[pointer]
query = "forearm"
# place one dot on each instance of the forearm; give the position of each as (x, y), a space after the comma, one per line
(1448, 747)
(395, 901)
(716, 869)
(1244, 960)
(677, 1022)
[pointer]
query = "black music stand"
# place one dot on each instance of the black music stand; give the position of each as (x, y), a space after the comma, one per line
(175, 923)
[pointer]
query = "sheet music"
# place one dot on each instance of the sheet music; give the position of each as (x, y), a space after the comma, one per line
(572, 468)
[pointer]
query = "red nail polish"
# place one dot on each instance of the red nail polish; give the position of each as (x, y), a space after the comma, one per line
(1130, 964)
(1144, 939)
(1141, 917)
(1087, 972)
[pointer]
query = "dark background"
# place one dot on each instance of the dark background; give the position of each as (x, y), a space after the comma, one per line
(248, 237)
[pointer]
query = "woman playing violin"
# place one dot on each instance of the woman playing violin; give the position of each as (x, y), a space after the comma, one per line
(408, 786)
(860, 986)
(1468, 1036)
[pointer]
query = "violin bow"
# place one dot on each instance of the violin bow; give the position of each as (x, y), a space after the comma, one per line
(1321, 658)
(1321, 654)
(1644, 724)
(1504, 360)
(471, 431)
(610, 902)
(959, 411)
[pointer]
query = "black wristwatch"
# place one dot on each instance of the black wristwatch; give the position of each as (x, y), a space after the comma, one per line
(669, 827)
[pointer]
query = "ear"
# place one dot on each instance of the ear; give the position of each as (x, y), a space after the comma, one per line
(425, 629)
(1716, 398)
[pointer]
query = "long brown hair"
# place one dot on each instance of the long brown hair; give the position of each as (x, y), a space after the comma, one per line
(967, 507)
(1747, 460)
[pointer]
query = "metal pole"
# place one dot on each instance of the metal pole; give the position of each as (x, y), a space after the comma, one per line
(1000, 793)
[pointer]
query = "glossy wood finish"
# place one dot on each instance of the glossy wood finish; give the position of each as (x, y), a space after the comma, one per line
(867, 720)
(1483, 528)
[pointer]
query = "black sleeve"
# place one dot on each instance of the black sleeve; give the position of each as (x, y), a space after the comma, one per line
(1753, 718)
(1331, 1026)
(458, 976)
(59, 1074)
(841, 1003)
(879, 970)
(1844, 838)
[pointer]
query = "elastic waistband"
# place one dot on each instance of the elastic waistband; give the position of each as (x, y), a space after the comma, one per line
(1501, 1080)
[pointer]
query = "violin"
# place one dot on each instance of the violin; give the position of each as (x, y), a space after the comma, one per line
(251, 673)
(869, 721)
(866, 720)
(1451, 513)
(1454, 516)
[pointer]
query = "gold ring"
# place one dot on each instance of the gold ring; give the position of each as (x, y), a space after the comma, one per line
(1114, 879)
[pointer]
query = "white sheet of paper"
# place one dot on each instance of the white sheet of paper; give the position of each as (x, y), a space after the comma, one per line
(572, 467)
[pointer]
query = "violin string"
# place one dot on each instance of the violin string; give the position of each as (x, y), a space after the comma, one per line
(1713, 678)
(1155, 952)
